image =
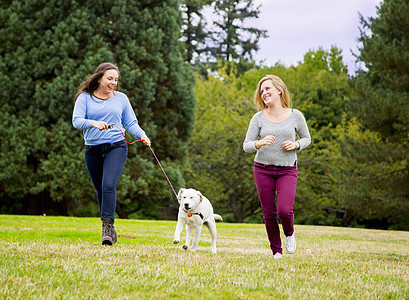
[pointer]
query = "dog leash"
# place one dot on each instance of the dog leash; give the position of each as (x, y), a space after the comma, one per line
(110, 126)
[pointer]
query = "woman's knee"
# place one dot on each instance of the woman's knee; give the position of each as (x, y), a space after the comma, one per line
(285, 214)
(270, 215)
(109, 187)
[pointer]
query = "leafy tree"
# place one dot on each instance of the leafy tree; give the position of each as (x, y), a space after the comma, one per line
(318, 85)
(319, 89)
(352, 190)
(48, 49)
(381, 106)
(218, 167)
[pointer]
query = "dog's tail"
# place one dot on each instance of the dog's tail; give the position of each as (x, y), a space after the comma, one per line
(218, 217)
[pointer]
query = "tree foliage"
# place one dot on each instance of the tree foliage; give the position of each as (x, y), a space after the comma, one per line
(232, 39)
(194, 29)
(226, 38)
(355, 172)
(319, 88)
(382, 90)
(48, 49)
(217, 165)
(381, 106)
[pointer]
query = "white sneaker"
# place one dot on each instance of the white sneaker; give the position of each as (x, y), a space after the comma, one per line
(278, 255)
(290, 243)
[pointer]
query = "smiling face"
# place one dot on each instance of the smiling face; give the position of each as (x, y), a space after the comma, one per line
(270, 95)
(269, 89)
(108, 81)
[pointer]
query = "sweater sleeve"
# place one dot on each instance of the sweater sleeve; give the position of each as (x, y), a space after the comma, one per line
(249, 144)
(130, 122)
(79, 114)
(303, 132)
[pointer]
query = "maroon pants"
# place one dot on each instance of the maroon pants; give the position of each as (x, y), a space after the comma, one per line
(276, 189)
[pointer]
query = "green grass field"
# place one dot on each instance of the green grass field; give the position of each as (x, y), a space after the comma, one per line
(61, 257)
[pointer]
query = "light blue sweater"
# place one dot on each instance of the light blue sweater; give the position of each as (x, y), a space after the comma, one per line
(275, 154)
(116, 110)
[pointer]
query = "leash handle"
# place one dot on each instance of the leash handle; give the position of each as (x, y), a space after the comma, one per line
(110, 126)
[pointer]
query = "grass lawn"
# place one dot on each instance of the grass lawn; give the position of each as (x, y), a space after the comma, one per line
(61, 257)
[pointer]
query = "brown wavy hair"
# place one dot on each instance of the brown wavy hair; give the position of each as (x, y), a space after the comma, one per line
(91, 84)
(279, 85)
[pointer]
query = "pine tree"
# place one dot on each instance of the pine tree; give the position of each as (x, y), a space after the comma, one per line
(381, 105)
(383, 88)
(194, 29)
(48, 49)
(231, 41)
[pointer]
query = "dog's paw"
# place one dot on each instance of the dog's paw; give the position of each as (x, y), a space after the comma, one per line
(175, 241)
(185, 246)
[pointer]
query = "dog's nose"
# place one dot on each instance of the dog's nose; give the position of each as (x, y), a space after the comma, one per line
(186, 205)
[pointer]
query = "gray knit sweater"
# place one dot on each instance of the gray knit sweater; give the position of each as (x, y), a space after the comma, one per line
(275, 154)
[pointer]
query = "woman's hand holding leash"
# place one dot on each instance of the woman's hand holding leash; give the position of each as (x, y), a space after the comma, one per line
(146, 140)
(101, 125)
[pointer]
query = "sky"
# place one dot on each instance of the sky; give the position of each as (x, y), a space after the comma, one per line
(295, 27)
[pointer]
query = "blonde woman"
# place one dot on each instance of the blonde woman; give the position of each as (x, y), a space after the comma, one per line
(272, 135)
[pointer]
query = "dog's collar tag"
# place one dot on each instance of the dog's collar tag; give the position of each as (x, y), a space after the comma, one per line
(190, 214)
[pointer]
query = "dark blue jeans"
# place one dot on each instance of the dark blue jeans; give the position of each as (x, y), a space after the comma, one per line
(105, 163)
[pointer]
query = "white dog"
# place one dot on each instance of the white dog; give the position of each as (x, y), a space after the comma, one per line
(195, 210)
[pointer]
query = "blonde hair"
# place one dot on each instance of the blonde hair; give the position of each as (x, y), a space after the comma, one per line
(279, 85)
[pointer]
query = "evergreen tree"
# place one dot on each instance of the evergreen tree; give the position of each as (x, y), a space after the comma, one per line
(381, 105)
(194, 29)
(48, 49)
(231, 41)
(382, 102)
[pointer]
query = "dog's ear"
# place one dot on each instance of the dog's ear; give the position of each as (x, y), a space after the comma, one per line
(180, 194)
(200, 196)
